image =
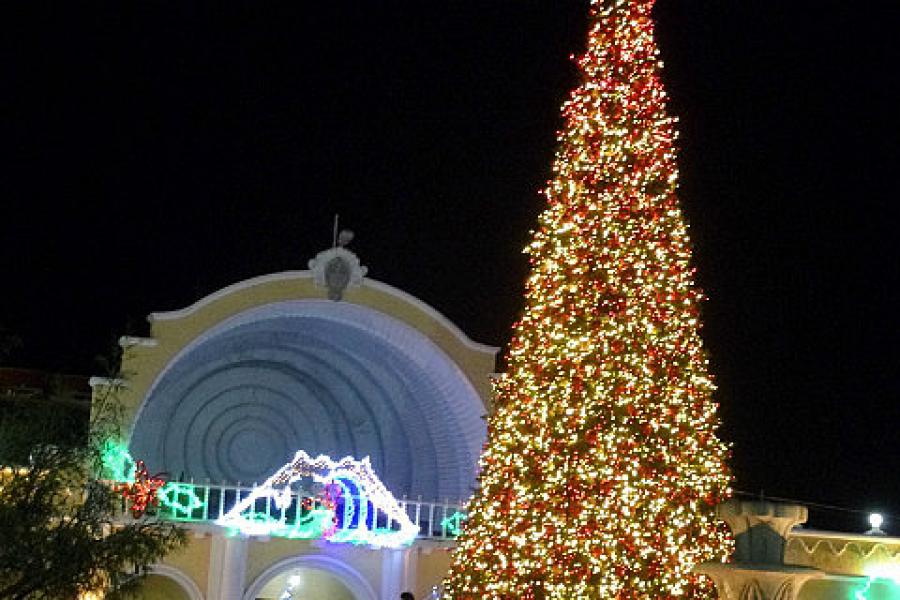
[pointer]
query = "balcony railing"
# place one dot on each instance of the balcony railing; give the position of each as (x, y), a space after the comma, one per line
(207, 503)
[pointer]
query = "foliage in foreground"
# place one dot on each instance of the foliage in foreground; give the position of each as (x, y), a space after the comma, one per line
(63, 531)
(61, 536)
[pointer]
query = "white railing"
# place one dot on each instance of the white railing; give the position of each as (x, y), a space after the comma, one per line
(191, 502)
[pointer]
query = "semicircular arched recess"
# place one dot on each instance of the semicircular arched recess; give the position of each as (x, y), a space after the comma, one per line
(326, 377)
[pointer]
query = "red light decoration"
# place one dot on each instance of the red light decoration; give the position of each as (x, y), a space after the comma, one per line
(143, 492)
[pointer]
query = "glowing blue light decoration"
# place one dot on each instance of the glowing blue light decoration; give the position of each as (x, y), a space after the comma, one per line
(349, 512)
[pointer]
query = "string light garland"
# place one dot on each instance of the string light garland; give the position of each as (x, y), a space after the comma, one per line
(603, 467)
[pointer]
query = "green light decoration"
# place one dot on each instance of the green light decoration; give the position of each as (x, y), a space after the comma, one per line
(453, 523)
(863, 594)
(883, 583)
(878, 588)
(118, 465)
(180, 498)
(312, 526)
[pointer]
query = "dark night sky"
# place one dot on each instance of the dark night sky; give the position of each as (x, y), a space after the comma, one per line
(155, 152)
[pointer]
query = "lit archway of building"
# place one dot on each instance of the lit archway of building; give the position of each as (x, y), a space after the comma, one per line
(168, 583)
(310, 578)
(327, 377)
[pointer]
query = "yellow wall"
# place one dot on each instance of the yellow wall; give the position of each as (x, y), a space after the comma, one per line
(431, 568)
(849, 554)
(832, 589)
(193, 560)
(429, 564)
(262, 555)
(158, 587)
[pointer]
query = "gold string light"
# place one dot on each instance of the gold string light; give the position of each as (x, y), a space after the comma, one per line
(603, 467)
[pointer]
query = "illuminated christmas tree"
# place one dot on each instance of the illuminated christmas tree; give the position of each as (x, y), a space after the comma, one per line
(603, 467)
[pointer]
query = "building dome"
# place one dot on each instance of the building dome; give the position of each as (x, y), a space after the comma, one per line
(231, 387)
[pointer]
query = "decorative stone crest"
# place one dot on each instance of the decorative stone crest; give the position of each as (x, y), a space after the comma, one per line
(336, 269)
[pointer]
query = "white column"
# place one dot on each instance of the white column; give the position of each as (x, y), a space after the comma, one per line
(395, 573)
(410, 570)
(227, 568)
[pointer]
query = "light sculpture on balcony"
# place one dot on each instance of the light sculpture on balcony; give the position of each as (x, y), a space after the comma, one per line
(355, 508)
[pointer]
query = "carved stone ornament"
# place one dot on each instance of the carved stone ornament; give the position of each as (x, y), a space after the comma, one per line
(736, 582)
(336, 269)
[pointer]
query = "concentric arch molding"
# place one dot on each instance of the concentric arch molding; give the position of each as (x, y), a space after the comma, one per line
(233, 385)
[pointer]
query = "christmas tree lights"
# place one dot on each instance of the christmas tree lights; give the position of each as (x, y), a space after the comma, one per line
(603, 467)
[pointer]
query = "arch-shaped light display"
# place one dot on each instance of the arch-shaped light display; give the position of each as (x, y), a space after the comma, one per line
(355, 502)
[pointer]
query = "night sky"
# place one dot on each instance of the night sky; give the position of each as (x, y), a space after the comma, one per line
(156, 152)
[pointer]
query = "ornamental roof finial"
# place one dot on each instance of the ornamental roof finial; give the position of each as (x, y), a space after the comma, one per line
(337, 268)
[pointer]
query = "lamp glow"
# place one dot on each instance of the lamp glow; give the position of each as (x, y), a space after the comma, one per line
(876, 520)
